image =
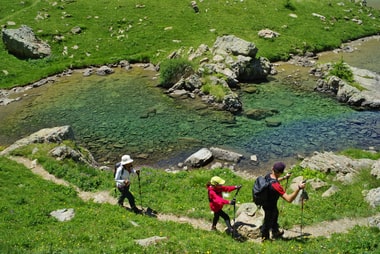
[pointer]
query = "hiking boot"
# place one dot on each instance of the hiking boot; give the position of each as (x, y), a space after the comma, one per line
(277, 234)
(229, 231)
(137, 211)
(213, 228)
(264, 236)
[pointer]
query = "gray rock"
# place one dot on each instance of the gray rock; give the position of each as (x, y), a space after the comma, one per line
(375, 170)
(225, 155)
(331, 191)
(151, 240)
(268, 34)
(48, 135)
(249, 220)
(229, 44)
(199, 159)
(374, 221)
(373, 197)
(24, 44)
(104, 70)
(63, 214)
(329, 162)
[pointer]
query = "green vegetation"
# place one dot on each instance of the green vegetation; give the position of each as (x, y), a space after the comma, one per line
(217, 90)
(358, 153)
(172, 70)
(343, 71)
(104, 228)
(151, 30)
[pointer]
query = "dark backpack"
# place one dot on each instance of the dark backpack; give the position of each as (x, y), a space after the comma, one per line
(260, 190)
(117, 165)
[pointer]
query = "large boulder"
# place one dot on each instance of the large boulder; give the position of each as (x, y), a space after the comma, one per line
(225, 155)
(199, 159)
(24, 44)
(249, 219)
(240, 57)
(230, 44)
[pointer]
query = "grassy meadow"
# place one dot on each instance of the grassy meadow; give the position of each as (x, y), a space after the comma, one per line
(27, 201)
(148, 31)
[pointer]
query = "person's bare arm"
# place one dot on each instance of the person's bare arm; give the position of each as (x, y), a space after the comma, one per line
(290, 197)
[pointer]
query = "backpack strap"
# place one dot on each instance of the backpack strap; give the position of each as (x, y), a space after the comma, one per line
(208, 194)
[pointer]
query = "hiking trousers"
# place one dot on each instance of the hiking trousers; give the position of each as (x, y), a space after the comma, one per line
(125, 193)
(226, 218)
(270, 220)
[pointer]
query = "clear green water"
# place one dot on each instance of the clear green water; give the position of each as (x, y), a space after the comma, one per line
(126, 113)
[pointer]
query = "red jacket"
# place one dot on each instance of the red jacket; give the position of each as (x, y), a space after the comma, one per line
(215, 197)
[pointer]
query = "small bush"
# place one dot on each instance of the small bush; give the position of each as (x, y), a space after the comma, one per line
(173, 70)
(218, 91)
(342, 70)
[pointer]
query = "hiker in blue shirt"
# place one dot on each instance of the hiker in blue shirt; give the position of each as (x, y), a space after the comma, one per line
(123, 182)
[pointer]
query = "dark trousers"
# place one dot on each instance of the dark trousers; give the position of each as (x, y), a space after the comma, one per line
(125, 193)
(222, 214)
(270, 220)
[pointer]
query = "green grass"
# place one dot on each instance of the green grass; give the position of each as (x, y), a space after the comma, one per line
(117, 30)
(27, 201)
(357, 153)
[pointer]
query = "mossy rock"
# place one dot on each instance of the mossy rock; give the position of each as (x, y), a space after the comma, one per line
(272, 122)
(250, 89)
(259, 114)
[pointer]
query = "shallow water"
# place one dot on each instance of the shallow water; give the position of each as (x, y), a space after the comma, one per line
(126, 113)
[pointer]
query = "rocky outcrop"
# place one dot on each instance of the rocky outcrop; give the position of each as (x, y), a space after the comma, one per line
(65, 152)
(24, 44)
(344, 167)
(236, 58)
(48, 135)
(232, 61)
(368, 97)
(60, 152)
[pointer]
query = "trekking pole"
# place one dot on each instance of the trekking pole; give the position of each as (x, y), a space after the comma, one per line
(304, 197)
(302, 201)
(234, 228)
(138, 176)
(283, 201)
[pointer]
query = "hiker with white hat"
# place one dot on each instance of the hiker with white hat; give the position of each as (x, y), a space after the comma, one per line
(215, 195)
(123, 182)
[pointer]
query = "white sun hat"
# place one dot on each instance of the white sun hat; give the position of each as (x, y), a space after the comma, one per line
(126, 159)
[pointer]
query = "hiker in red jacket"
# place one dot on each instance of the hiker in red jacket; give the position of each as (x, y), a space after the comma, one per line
(215, 189)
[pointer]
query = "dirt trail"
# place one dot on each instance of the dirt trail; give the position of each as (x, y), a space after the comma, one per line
(321, 229)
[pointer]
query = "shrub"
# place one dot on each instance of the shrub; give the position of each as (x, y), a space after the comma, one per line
(342, 70)
(173, 70)
(218, 91)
